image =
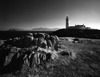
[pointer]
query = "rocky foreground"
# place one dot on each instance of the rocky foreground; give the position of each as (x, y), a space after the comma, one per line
(44, 55)
(32, 55)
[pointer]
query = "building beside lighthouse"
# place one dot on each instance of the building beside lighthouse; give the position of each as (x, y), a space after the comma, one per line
(76, 26)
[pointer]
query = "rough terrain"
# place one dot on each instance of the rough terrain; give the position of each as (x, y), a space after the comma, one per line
(83, 60)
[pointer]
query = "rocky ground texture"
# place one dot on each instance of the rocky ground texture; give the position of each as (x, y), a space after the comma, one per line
(33, 55)
(44, 55)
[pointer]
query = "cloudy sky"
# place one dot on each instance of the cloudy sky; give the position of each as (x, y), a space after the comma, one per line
(29, 14)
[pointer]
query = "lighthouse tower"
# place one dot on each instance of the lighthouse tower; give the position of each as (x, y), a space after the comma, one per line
(67, 22)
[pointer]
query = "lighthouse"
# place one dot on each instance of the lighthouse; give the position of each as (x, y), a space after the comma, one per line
(67, 22)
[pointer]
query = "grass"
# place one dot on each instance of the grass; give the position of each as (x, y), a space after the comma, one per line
(87, 60)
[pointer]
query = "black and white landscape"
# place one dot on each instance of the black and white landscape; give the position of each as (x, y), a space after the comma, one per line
(50, 38)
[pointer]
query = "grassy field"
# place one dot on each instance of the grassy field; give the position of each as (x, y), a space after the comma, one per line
(87, 59)
(84, 62)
